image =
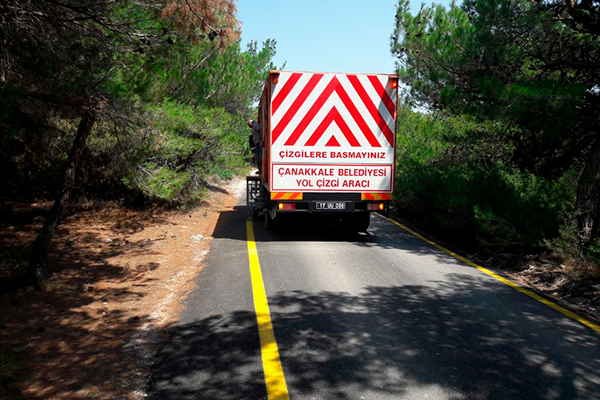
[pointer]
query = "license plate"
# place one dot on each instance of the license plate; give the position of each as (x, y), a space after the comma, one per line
(331, 205)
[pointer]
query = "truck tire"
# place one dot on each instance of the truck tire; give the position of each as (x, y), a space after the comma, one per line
(357, 222)
(269, 222)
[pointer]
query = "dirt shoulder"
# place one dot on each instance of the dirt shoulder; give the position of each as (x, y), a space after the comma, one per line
(118, 277)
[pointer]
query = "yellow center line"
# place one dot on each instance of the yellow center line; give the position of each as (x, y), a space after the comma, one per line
(529, 293)
(274, 379)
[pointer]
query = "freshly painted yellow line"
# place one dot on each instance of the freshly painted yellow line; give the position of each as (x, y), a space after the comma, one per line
(274, 379)
(501, 279)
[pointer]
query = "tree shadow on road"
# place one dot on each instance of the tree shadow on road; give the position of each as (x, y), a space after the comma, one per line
(308, 228)
(445, 341)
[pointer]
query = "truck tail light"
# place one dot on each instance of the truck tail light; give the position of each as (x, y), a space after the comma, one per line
(275, 77)
(286, 206)
(376, 206)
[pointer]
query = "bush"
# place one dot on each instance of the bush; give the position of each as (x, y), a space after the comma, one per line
(491, 201)
(172, 159)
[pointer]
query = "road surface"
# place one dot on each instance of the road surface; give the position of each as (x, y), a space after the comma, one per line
(376, 316)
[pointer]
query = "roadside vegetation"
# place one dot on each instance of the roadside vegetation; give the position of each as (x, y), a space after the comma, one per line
(141, 102)
(111, 103)
(499, 142)
(144, 103)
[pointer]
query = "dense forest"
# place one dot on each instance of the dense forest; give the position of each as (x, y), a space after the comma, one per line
(500, 117)
(142, 101)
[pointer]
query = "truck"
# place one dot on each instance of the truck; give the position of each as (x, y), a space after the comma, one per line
(328, 147)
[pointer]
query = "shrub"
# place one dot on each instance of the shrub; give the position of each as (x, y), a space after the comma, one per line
(442, 177)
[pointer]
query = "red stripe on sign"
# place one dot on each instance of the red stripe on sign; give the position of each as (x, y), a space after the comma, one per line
(362, 93)
(312, 112)
(310, 85)
(333, 116)
(285, 90)
(385, 97)
(357, 117)
(368, 196)
(332, 142)
(334, 86)
(276, 196)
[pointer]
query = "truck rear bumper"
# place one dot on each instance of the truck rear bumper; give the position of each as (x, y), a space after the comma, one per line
(330, 206)
(258, 199)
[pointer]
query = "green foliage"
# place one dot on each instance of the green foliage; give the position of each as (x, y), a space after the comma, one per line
(173, 158)
(231, 78)
(199, 142)
(494, 203)
(488, 60)
(516, 82)
(162, 182)
(199, 131)
(174, 103)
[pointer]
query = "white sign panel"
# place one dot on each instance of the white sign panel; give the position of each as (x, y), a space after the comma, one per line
(332, 133)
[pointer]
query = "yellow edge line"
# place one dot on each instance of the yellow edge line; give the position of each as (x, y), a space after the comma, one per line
(274, 379)
(529, 293)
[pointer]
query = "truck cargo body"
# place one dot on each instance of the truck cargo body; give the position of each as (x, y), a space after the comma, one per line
(328, 145)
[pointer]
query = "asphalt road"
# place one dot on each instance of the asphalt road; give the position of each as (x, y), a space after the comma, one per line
(377, 316)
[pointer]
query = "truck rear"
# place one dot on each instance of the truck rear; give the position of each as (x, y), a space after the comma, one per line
(327, 146)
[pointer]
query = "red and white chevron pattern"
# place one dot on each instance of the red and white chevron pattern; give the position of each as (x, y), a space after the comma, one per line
(333, 110)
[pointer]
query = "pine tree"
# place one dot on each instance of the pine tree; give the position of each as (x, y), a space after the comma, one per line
(531, 67)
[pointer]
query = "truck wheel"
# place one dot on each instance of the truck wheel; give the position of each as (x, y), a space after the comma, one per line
(357, 222)
(269, 222)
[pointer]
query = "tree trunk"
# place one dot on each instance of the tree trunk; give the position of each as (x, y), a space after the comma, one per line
(587, 210)
(35, 269)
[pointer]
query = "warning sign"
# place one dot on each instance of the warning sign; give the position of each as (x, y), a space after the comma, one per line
(332, 133)
(331, 178)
